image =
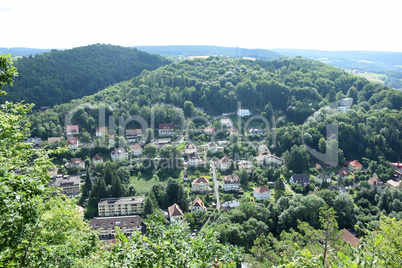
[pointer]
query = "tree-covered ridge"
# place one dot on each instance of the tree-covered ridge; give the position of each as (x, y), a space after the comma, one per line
(295, 88)
(59, 76)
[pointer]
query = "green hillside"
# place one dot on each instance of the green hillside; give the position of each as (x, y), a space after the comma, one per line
(59, 76)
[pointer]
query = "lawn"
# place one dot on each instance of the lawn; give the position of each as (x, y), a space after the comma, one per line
(142, 186)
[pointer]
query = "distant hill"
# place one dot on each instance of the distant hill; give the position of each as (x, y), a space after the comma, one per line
(22, 51)
(363, 60)
(187, 51)
(59, 76)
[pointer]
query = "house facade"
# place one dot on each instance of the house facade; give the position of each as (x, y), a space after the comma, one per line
(197, 206)
(165, 130)
(72, 130)
(194, 160)
(136, 150)
(119, 154)
(72, 143)
(200, 185)
(68, 185)
(133, 135)
(175, 213)
(262, 193)
(97, 159)
(121, 206)
(355, 166)
(225, 163)
(127, 224)
(77, 163)
(231, 183)
(190, 148)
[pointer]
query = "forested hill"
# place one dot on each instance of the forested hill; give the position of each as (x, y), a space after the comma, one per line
(60, 76)
(292, 87)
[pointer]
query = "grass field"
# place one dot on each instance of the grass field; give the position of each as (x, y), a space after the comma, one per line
(142, 186)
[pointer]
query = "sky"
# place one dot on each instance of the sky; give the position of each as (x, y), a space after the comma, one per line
(300, 24)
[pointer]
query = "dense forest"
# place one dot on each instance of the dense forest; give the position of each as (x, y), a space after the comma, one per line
(59, 76)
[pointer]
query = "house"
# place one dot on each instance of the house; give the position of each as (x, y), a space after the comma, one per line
(97, 159)
(136, 150)
(247, 165)
(256, 131)
(346, 102)
(175, 213)
(231, 183)
(68, 185)
(190, 148)
(214, 148)
(343, 109)
(343, 173)
(166, 130)
(194, 160)
(53, 172)
(233, 131)
(50, 140)
(226, 122)
(118, 154)
(72, 130)
(268, 160)
(375, 181)
(111, 138)
(121, 206)
(197, 206)
(302, 179)
(127, 225)
(209, 131)
(397, 166)
(133, 135)
(323, 176)
(72, 143)
(161, 142)
(186, 177)
(77, 163)
(318, 167)
(225, 163)
(229, 205)
(243, 112)
(262, 193)
(348, 237)
(263, 149)
(200, 185)
(394, 184)
(354, 166)
(99, 131)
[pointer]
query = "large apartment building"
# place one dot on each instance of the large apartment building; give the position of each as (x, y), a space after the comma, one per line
(127, 224)
(120, 206)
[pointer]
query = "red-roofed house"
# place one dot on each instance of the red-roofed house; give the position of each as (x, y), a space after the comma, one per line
(136, 150)
(209, 131)
(100, 130)
(175, 212)
(72, 129)
(200, 185)
(166, 130)
(262, 193)
(197, 205)
(73, 143)
(355, 166)
(97, 159)
(375, 181)
(397, 166)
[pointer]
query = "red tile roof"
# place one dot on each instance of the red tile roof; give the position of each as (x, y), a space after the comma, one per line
(201, 179)
(348, 237)
(175, 210)
(262, 189)
(230, 178)
(136, 146)
(355, 163)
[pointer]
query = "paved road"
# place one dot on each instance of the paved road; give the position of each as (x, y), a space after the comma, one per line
(216, 186)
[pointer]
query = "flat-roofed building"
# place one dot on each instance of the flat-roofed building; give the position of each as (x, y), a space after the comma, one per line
(133, 135)
(127, 224)
(121, 206)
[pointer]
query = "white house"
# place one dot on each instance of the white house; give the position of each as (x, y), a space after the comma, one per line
(190, 148)
(136, 150)
(231, 183)
(262, 193)
(193, 160)
(166, 130)
(224, 163)
(175, 213)
(118, 154)
(197, 206)
(97, 159)
(226, 122)
(200, 185)
(323, 176)
(243, 112)
(229, 205)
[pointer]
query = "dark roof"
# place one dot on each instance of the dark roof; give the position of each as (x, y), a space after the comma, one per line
(298, 178)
